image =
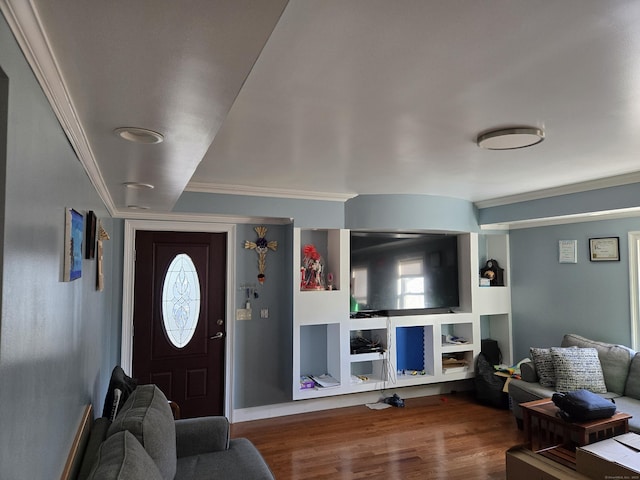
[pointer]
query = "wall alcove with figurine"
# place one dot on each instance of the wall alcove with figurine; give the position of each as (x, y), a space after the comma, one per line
(493, 273)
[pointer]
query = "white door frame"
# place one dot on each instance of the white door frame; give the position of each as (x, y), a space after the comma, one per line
(128, 276)
(634, 286)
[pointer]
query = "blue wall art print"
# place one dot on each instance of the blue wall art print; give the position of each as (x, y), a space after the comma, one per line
(74, 233)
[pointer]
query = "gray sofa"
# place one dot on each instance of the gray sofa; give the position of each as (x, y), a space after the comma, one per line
(620, 367)
(145, 442)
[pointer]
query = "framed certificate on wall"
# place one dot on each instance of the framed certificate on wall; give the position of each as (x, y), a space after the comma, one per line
(606, 249)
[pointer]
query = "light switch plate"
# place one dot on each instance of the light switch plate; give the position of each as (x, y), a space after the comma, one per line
(243, 314)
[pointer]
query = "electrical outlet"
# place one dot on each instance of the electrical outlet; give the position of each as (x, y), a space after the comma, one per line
(264, 313)
(243, 314)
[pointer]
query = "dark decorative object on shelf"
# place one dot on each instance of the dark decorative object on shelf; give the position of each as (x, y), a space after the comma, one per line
(90, 248)
(494, 273)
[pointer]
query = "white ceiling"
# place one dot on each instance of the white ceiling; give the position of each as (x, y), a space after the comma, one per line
(333, 98)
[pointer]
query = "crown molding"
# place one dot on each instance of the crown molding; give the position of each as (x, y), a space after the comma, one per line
(615, 181)
(202, 187)
(201, 218)
(27, 28)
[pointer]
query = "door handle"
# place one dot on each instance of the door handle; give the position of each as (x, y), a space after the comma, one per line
(217, 335)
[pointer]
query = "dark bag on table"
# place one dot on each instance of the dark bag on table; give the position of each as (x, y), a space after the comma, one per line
(583, 406)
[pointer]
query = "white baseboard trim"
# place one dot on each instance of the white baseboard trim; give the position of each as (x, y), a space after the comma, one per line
(339, 401)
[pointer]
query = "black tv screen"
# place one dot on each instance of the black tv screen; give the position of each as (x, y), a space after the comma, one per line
(403, 273)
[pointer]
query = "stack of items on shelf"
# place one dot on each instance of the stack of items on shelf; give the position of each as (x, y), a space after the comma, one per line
(453, 340)
(454, 362)
(362, 345)
(306, 382)
(318, 381)
(358, 379)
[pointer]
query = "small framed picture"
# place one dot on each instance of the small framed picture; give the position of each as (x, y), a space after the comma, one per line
(73, 236)
(568, 251)
(90, 234)
(605, 249)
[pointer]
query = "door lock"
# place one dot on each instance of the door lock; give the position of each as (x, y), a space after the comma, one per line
(217, 335)
(220, 321)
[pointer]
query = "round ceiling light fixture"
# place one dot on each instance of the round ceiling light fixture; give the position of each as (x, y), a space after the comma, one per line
(139, 135)
(510, 138)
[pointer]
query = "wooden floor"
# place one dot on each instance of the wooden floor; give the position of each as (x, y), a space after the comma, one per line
(437, 437)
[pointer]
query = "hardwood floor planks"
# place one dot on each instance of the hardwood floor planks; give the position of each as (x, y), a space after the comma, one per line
(437, 437)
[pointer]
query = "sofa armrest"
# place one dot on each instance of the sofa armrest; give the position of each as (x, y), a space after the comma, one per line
(528, 372)
(195, 436)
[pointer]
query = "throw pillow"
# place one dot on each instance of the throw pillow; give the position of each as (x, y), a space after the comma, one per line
(121, 381)
(578, 368)
(121, 456)
(544, 366)
(147, 415)
(615, 360)
(632, 388)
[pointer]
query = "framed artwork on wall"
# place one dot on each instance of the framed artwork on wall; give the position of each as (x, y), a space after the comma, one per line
(605, 249)
(567, 251)
(90, 248)
(73, 236)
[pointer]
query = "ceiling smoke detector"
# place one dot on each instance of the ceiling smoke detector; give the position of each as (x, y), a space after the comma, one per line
(510, 138)
(139, 135)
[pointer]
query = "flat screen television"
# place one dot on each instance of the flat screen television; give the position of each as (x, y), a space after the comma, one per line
(403, 273)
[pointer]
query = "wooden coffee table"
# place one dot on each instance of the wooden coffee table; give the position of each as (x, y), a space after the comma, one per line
(547, 433)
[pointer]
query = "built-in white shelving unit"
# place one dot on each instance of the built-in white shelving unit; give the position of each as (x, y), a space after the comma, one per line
(493, 304)
(415, 351)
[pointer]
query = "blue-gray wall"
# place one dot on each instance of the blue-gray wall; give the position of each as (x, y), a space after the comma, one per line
(58, 341)
(602, 200)
(303, 213)
(418, 212)
(550, 298)
(264, 346)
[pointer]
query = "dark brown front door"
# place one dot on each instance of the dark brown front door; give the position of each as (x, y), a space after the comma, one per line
(179, 274)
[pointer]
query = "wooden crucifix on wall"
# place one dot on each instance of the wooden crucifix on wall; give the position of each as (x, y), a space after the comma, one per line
(261, 246)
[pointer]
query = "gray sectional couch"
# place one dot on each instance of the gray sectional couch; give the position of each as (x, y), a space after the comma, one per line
(620, 367)
(145, 442)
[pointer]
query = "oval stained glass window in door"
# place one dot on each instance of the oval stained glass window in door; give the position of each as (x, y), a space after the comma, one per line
(181, 300)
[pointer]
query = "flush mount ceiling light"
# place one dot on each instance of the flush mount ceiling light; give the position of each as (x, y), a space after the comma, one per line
(138, 185)
(510, 138)
(139, 135)
(137, 207)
